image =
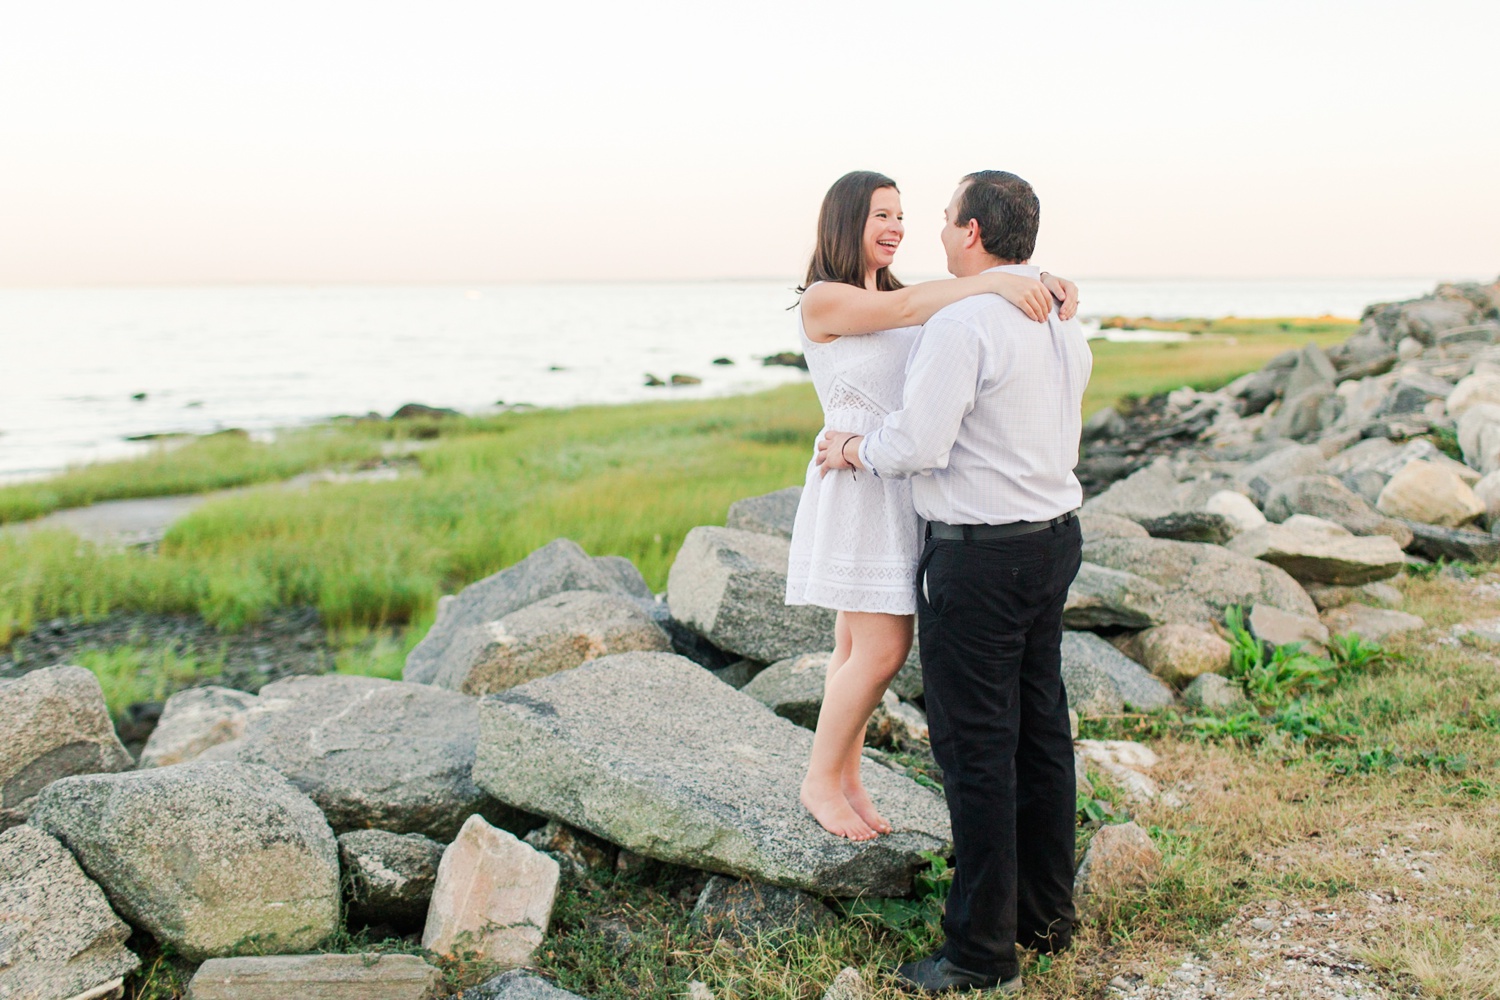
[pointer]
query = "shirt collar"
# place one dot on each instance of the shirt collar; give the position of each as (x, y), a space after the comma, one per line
(1029, 270)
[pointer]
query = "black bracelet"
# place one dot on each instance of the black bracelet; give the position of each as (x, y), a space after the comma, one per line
(841, 451)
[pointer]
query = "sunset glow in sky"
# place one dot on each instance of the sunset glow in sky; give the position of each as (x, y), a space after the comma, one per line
(341, 141)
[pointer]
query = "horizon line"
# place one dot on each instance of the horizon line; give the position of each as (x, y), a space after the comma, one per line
(747, 279)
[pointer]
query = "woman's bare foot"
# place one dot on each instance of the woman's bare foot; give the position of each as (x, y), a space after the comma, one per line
(859, 801)
(833, 812)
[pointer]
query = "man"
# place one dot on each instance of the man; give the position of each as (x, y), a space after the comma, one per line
(989, 432)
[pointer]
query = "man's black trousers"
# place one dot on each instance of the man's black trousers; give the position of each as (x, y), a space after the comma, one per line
(991, 635)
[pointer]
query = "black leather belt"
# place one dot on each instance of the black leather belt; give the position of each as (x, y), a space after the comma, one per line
(983, 532)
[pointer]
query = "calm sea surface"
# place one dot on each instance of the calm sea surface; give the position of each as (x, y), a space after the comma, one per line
(265, 357)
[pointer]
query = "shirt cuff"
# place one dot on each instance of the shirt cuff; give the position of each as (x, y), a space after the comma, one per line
(864, 457)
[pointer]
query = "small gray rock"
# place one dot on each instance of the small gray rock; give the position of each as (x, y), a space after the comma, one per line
(651, 752)
(213, 859)
(1213, 692)
(373, 754)
(730, 587)
(579, 850)
(194, 720)
(742, 908)
(1191, 526)
(1101, 679)
(517, 984)
(558, 566)
(53, 724)
(739, 673)
(793, 689)
(1120, 857)
(1413, 391)
(389, 877)
(1281, 628)
(1370, 624)
(58, 936)
(770, 514)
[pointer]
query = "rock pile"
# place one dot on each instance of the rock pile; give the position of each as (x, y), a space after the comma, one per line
(559, 718)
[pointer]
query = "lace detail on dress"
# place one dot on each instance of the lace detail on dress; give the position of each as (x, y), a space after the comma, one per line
(843, 396)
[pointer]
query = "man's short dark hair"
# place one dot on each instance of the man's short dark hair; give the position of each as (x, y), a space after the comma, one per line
(1008, 212)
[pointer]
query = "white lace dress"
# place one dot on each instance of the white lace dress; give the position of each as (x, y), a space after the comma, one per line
(856, 539)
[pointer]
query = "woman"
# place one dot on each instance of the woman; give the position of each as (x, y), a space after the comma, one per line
(855, 541)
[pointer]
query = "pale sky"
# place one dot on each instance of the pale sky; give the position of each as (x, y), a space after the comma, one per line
(322, 141)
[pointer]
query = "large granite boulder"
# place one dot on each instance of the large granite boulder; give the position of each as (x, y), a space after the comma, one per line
(1432, 541)
(1096, 524)
(651, 752)
(1102, 680)
(771, 514)
(730, 587)
(371, 753)
(58, 936)
(372, 976)
(558, 566)
(1199, 581)
(1481, 387)
(194, 720)
(1326, 497)
(1153, 498)
(1101, 598)
(1428, 492)
(1479, 437)
(1371, 624)
(556, 633)
(388, 876)
(1146, 493)
(1313, 550)
(53, 724)
(212, 859)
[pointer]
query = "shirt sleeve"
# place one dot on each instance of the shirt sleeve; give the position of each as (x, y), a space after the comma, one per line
(942, 383)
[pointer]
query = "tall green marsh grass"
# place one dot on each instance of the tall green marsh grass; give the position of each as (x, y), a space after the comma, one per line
(218, 461)
(624, 480)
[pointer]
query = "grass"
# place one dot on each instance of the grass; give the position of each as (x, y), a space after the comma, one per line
(130, 674)
(630, 481)
(217, 461)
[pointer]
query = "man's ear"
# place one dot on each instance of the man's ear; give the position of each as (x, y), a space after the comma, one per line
(973, 237)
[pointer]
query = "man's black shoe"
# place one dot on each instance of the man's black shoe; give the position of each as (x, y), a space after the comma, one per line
(936, 974)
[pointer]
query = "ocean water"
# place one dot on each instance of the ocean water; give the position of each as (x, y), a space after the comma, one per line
(259, 358)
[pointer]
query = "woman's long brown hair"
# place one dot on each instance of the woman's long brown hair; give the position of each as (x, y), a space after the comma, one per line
(840, 253)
